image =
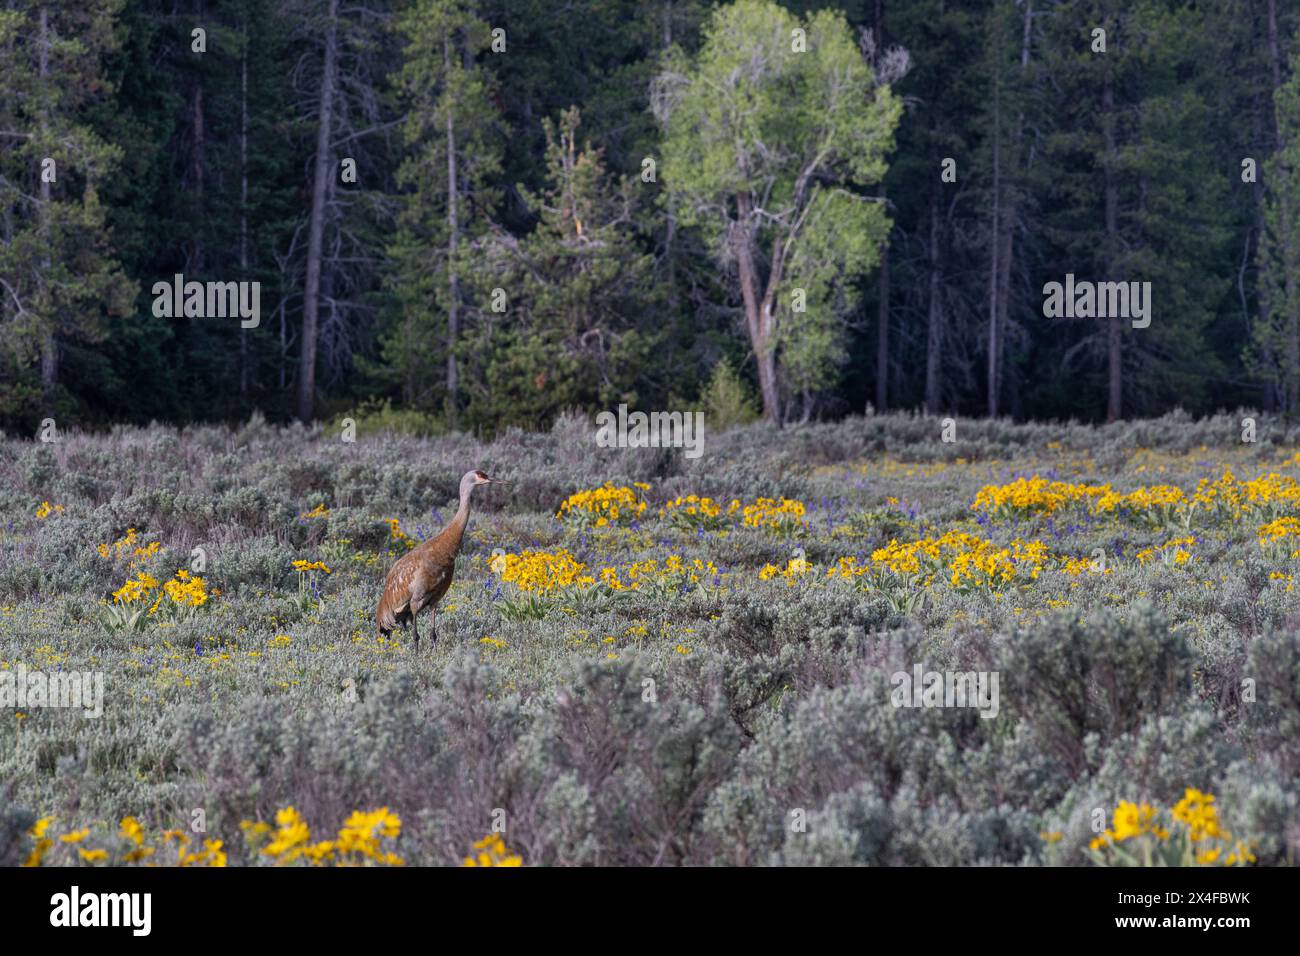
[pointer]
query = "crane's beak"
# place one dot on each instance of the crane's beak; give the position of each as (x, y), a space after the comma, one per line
(499, 481)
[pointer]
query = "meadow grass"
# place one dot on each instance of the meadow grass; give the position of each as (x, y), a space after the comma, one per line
(646, 659)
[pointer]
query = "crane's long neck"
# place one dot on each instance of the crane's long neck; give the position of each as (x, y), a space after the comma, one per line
(456, 529)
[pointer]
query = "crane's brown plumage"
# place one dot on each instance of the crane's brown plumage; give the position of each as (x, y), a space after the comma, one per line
(421, 577)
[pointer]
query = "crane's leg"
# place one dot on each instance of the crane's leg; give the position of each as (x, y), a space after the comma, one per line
(416, 631)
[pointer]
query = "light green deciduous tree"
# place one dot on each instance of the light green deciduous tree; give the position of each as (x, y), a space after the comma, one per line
(772, 132)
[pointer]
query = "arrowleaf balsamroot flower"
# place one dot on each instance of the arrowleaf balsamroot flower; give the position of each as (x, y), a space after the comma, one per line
(492, 851)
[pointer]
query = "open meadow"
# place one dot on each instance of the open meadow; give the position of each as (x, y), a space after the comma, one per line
(647, 659)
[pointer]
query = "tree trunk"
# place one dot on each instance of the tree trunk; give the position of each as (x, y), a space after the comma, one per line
(1114, 353)
(1270, 396)
(453, 239)
(49, 345)
(316, 224)
(243, 203)
(757, 310)
(882, 333)
(882, 314)
(670, 207)
(1005, 256)
(1010, 217)
(1290, 257)
(995, 233)
(934, 336)
(1004, 221)
(1275, 58)
(197, 261)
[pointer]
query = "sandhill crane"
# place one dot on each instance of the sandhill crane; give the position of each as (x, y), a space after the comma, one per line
(421, 577)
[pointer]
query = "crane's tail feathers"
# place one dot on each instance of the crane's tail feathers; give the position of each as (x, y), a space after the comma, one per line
(386, 619)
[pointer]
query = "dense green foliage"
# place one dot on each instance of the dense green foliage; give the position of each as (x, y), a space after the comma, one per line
(566, 206)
